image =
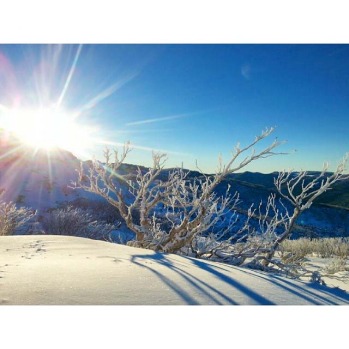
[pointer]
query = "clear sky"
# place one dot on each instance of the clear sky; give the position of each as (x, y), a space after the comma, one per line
(192, 101)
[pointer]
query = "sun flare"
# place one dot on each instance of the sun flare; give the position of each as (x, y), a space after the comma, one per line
(48, 129)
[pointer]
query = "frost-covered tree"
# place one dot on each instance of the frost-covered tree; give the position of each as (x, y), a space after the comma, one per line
(301, 190)
(258, 243)
(179, 214)
(75, 222)
(14, 220)
(167, 215)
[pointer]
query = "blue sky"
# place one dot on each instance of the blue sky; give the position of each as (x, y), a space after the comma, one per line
(193, 101)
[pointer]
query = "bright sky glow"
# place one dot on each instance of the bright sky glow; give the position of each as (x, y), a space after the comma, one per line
(192, 101)
(48, 129)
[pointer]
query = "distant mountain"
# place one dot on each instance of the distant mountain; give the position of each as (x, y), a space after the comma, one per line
(36, 178)
(328, 216)
(337, 197)
(42, 180)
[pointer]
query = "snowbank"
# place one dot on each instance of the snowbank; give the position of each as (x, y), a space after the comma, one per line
(69, 270)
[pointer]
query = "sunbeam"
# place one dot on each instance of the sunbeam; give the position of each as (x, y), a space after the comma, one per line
(107, 92)
(141, 147)
(39, 117)
(155, 120)
(69, 77)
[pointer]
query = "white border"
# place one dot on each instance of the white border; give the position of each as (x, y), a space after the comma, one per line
(169, 21)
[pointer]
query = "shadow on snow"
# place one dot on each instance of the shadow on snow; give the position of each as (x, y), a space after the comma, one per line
(312, 293)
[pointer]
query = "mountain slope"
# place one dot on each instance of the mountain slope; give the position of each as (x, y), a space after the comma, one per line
(37, 178)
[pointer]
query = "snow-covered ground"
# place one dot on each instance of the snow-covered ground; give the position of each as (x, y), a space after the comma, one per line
(47, 269)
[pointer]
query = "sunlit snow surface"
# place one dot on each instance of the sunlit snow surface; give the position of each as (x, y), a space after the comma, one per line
(69, 270)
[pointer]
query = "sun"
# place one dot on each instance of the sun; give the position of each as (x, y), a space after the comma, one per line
(48, 128)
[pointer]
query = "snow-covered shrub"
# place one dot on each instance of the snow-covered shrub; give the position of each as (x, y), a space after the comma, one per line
(76, 222)
(99, 210)
(14, 220)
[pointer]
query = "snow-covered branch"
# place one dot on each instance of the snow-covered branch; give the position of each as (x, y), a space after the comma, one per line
(168, 214)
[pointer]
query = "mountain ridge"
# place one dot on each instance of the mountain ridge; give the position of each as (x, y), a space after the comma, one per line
(41, 180)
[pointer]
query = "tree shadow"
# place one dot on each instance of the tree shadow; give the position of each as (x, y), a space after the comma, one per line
(313, 294)
(191, 282)
(308, 291)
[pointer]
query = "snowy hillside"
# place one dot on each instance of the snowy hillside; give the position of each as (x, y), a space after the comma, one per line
(69, 270)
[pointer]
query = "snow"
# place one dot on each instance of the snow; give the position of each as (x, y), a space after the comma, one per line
(62, 270)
